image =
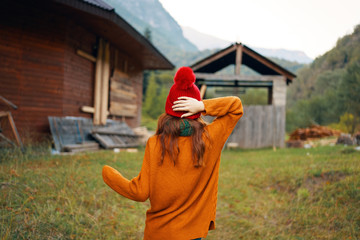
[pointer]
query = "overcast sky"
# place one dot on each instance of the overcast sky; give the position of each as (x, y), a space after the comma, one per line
(311, 26)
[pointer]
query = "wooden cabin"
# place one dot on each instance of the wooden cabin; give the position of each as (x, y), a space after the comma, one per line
(262, 125)
(72, 58)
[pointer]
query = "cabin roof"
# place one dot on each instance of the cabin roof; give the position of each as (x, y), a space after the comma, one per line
(100, 4)
(102, 19)
(250, 58)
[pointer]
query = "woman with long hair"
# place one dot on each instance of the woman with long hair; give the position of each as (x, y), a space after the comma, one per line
(180, 168)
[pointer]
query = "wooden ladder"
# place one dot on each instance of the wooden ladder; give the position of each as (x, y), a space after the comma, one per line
(7, 114)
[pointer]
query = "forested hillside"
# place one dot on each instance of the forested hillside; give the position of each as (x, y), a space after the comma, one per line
(328, 90)
(150, 16)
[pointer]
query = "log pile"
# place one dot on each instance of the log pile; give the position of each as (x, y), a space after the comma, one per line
(314, 131)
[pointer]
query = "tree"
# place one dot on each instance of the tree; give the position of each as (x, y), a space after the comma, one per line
(150, 96)
(349, 93)
(156, 93)
(147, 34)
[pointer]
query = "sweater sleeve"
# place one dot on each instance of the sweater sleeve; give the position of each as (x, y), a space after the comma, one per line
(136, 189)
(228, 111)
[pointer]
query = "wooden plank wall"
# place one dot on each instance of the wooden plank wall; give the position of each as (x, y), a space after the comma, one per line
(40, 71)
(136, 76)
(126, 84)
(261, 126)
(79, 72)
(31, 69)
(122, 96)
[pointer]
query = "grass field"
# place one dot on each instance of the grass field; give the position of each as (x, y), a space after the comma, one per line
(263, 194)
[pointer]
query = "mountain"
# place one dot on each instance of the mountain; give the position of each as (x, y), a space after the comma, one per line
(290, 55)
(204, 41)
(181, 45)
(149, 15)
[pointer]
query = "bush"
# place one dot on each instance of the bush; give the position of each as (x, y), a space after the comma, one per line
(346, 123)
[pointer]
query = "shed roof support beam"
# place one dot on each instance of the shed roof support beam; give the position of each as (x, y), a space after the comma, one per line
(267, 63)
(213, 58)
(223, 77)
(235, 83)
(238, 59)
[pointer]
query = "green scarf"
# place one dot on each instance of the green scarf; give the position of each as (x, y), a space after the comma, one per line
(185, 128)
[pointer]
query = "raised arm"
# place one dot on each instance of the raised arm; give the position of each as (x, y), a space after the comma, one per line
(228, 111)
(136, 189)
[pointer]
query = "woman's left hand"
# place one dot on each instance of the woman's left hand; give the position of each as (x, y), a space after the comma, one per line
(187, 104)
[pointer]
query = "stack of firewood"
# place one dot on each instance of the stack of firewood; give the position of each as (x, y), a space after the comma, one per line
(314, 131)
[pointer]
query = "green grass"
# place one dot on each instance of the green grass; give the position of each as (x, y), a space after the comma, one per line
(263, 194)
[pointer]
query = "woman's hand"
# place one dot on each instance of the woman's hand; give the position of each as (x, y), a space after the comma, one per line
(189, 105)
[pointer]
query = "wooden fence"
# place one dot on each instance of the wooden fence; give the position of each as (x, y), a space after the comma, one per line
(260, 126)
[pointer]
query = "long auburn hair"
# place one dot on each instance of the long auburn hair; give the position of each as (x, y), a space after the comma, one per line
(169, 129)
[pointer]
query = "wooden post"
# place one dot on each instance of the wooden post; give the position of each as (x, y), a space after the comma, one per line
(98, 77)
(202, 91)
(238, 59)
(105, 84)
(13, 127)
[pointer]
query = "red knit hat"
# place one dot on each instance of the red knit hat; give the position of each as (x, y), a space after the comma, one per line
(183, 86)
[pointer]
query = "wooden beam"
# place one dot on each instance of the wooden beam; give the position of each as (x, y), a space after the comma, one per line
(232, 91)
(88, 109)
(8, 102)
(86, 55)
(267, 63)
(236, 84)
(229, 77)
(98, 77)
(202, 91)
(213, 58)
(6, 139)
(105, 84)
(238, 59)
(119, 93)
(17, 136)
(123, 109)
(13, 127)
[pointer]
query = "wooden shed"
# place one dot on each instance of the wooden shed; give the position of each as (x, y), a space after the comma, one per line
(261, 125)
(72, 58)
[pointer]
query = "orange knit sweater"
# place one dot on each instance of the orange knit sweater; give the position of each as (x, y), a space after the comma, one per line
(183, 198)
